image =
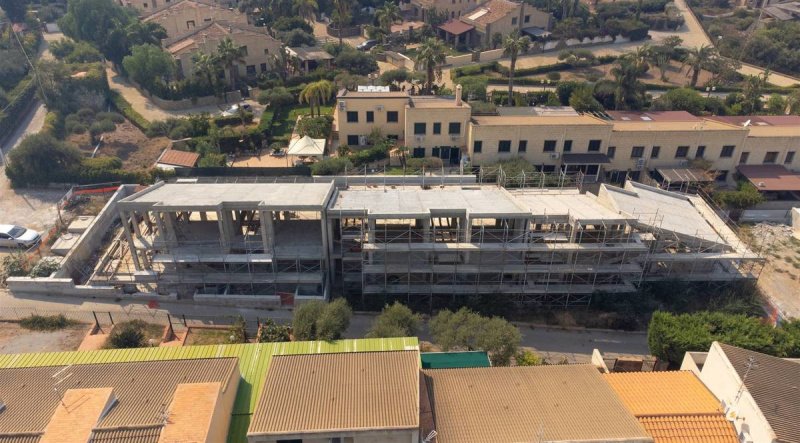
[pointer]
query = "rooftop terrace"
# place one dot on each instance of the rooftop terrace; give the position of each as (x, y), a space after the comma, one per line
(566, 202)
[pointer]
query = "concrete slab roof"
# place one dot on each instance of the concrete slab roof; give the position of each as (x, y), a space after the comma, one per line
(187, 196)
(665, 210)
(567, 202)
(477, 201)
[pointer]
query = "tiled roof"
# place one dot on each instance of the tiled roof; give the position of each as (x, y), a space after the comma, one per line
(774, 384)
(337, 392)
(770, 177)
(663, 393)
(526, 403)
(703, 428)
(179, 158)
(142, 388)
(212, 32)
(490, 12)
(149, 434)
(183, 5)
(254, 360)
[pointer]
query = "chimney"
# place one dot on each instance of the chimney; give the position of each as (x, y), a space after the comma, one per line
(458, 95)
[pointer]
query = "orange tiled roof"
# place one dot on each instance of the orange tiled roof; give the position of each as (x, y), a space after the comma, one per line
(179, 158)
(663, 393)
(703, 428)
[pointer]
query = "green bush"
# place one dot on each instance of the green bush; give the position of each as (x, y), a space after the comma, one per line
(19, 99)
(46, 322)
(331, 166)
(44, 267)
(112, 116)
(317, 320)
(127, 110)
(315, 127)
(234, 120)
(466, 330)
(128, 335)
(271, 332)
(396, 320)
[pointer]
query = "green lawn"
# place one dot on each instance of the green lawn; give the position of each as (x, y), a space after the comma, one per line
(284, 123)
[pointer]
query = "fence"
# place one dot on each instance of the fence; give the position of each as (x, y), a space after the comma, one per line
(155, 316)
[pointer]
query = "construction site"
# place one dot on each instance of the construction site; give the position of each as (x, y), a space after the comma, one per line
(538, 242)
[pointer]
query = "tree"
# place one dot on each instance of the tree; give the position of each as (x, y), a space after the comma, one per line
(230, 57)
(307, 9)
(271, 332)
(207, 67)
(149, 64)
(99, 22)
(430, 58)
(387, 15)
(356, 62)
(315, 94)
(745, 196)
(681, 99)
(752, 91)
(141, 33)
(697, 59)
(776, 105)
(317, 320)
(629, 91)
(513, 45)
(342, 14)
(395, 320)
(276, 98)
(793, 102)
(395, 77)
(469, 331)
(40, 159)
(14, 9)
(582, 100)
(578, 58)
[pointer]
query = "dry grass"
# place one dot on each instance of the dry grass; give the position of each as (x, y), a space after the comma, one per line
(128, 143)
(203, 336)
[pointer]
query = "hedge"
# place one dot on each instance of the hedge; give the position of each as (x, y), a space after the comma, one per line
(127, 110)
(19, 99)
(233, 120)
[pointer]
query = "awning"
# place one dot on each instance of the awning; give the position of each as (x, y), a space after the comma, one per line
(585, 159)
(456, 27)
(684, 175)
(307, 146)
(536, 32)
(770, 177)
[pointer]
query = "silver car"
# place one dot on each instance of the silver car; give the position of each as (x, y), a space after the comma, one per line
(12, 236)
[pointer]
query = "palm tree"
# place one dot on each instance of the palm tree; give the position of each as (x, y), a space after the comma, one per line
(388, 15)
(229, 57)
(430, 58)
(315, 94)
(513, 45)
(141, 33)
(697, 59)
(628, 88)
(206, 66)
(307, 9)
(342, 13)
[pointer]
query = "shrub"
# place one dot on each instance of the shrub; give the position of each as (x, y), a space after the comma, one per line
(317, 320)
(128, 335)
(46, 322)
(234, 120)
(396, 320)
(127, 110)
(528, 358)
(101, 127)
(469, 331)
(554, 76)
(79, 128)
(41, 159)
(272, 332)
(44, 267)
(14, 265)
(112, 116)
(427, 163)
(315, 127)
(238, 331)
(331, 166)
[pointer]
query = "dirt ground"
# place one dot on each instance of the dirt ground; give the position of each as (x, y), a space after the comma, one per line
(16, 339)
(780, 278)
(128, 143)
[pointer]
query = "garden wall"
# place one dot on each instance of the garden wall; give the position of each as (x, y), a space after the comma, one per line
(553, 45)
(399, 60)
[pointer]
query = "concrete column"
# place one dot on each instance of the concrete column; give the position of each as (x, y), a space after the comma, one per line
(135, 222)
(426, 230)
(466, 226)
(204, 216)
(169, 223)
(267, 233)
(370, 236)
(126, 229)
(323, 221)
(224, 229)
(162, 231)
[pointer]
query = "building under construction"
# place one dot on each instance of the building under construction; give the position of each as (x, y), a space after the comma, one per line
(272, 244)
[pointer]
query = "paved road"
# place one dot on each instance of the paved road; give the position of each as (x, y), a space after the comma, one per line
(554, 343)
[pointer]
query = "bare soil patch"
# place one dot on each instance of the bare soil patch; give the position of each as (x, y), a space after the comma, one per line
(780, 278)
(16, 339)
(128, 143)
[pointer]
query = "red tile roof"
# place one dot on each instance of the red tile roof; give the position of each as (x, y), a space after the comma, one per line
(179, 158)
(770, 177)
(456, 27)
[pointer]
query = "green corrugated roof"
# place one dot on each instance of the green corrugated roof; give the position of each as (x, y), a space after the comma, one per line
(253, 358)
(449, 360)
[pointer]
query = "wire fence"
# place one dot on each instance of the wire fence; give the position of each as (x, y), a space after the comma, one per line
(154, 316)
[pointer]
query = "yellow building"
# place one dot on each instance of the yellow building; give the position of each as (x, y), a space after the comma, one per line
(183, 17)
(145, 7)
(258, 46)
(502, 17)
(771, 139)
(427, 125)
(421, 9)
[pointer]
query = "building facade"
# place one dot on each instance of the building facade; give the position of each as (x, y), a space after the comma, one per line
(182, 17)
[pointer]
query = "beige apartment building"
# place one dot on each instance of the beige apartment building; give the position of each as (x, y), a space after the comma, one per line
(771, 139)
(149, 6)
(427, 125)
(502, 17)
(257, 44)
(183, 17)
(421, 9)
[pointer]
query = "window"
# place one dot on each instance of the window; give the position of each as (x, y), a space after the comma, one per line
(391, 117)
(370, 117)
(527, 19)
(727, 151)
(721, 176)
(206, 20)
(513, 20)
(770, 157)
(504, 146)
(743, 158)
(612, 151)
(437, 128)
(701, 151)
(420, 128)
(454, 128)
(637, 152)
(682, 152)
(263, 67)
(789, 158)
(352, 117)
(594, 145)
(523, 146)
(189, 23)
(251, 70)
(418, 153)
(266, 51)
(435, 152)
(567, 145)
(477, 146)
(549, 146)
(244, 50)
(655, 152)
(352, 140)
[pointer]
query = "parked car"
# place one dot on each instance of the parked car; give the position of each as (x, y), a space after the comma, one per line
(12, 236)
(233, 110)
(367, 45)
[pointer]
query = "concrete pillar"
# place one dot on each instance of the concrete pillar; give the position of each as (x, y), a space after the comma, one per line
(204, 216)
(162, 231)
(466, 226)
(126, 229)
(135, 222)
(426, 230)
(169, 223)
(370, 236)
(267, 232)
(323, 221)
(224, 229)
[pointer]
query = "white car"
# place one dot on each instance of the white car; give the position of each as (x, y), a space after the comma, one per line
(12, 236)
